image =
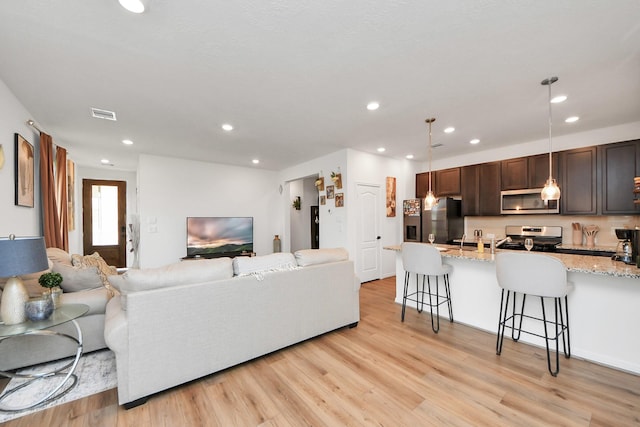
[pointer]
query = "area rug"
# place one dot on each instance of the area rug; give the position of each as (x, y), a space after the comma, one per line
(96, 373)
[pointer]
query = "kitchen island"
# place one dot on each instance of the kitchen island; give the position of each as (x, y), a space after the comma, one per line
(604, 307)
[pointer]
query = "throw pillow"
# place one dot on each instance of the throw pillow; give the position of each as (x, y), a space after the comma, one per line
(76, 279)
(243, 266)
(307, 257)
(58, 255)
(95, 260)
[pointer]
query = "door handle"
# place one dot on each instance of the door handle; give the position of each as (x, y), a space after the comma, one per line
(378, 238)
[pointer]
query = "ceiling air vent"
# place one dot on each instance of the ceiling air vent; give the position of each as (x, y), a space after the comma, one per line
(103, 114)
(433, 146)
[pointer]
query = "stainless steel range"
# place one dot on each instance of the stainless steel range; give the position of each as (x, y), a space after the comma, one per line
(545, 238)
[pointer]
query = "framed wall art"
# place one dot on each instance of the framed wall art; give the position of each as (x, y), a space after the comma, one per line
(323, 200)
(391, 196)
(24, 172)
(339, 200)
(330, 190)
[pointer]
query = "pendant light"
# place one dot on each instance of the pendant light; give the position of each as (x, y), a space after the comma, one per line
(430, 199)
(551, 191)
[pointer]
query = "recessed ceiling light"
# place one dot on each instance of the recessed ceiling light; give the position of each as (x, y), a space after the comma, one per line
(449, 129)
(104, 161)
(558, 99)
(409, 156)
(373, 106)
(381, 150)
(474, 141)
(572, 119)
(135, 6)
(227, 127)
(127, 142)
(255, 161)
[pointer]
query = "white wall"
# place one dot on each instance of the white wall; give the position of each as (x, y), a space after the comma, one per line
(607, 135)
(171, 189)
(18, 220)
(333, 221)
(367, 168)
(84, 172)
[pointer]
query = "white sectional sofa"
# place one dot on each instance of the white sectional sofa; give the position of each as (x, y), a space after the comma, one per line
(181, 322)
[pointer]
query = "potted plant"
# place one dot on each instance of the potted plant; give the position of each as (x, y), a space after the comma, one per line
(296, 203)
(51, 281)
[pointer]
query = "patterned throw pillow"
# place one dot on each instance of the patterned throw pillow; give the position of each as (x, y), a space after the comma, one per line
(104, 269)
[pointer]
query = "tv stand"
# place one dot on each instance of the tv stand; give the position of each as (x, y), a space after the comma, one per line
(218, 255)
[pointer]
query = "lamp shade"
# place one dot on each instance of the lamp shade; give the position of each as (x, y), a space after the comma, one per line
(22, 255)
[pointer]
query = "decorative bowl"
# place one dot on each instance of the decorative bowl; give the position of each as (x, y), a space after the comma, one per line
(38, 309)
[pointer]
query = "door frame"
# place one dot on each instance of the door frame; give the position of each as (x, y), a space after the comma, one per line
(87, 217)
(359, 266)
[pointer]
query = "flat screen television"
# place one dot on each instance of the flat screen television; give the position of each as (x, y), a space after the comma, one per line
(211, 237)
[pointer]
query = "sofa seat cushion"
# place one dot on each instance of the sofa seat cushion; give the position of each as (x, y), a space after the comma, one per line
(180, 273)
(306, 257)
(257, 266)
(96, 299)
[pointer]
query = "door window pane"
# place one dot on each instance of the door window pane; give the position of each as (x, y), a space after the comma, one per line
(104, 204)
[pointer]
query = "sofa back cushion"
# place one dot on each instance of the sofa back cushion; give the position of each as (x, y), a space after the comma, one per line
(180, 273)
(305, 257)
(243, 266)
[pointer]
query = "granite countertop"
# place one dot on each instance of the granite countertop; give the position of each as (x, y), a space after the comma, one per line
(575, 263)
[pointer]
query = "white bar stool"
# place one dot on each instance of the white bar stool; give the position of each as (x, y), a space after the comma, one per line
(425, 260)
(537, 275)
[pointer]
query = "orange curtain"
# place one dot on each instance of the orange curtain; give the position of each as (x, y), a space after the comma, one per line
(50, 217)
(61, 195)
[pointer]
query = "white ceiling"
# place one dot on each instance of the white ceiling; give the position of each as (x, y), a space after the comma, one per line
(294, 76)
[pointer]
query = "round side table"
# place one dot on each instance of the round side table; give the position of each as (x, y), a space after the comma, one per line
(63, 314)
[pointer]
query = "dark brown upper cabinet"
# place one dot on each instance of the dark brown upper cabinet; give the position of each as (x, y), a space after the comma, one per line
(422, 184)
(578, 181)
(470, 190)
(514, 173)
(489, 186)
(619, 164)
(481, 189)
(447, 182)
(539, 169)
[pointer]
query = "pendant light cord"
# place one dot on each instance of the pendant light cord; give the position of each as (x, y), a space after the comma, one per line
(430, 121)
(551, 81)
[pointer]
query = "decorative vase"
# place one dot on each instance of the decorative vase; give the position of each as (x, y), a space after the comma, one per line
(56, 293)
(14, 296)
(277, 246)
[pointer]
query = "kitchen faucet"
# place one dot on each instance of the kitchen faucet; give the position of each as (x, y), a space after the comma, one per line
(462, 241)
(506, 239)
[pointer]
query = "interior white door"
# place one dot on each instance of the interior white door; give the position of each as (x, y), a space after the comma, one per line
(368, 265)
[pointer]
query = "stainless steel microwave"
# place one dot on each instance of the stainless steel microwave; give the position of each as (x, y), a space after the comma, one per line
(526, 201)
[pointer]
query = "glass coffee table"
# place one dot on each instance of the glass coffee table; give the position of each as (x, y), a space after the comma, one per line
(64, 313)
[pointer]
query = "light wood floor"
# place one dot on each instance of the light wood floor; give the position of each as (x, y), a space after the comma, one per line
(382, 373)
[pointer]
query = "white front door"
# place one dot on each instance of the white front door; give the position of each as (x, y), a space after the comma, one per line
(368, 256)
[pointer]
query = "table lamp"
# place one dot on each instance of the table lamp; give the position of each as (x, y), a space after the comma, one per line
(18, 256)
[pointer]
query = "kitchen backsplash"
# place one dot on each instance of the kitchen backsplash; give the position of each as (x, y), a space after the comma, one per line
(605, 237)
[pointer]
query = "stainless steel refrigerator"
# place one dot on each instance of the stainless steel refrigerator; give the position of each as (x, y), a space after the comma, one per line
(444, 220)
